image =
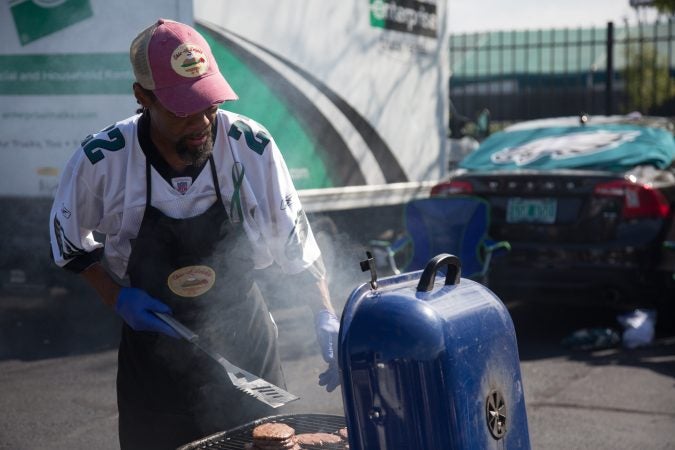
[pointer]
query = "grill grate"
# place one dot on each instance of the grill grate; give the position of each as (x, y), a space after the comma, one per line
(237, 438)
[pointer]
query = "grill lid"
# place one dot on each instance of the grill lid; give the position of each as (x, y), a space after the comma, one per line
(237, 438)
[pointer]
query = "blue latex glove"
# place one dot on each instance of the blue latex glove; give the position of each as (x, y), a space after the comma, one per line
(330, 378)
(327, 327)
(136, 307)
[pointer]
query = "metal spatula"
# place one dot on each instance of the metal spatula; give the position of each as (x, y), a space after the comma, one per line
(245, 381)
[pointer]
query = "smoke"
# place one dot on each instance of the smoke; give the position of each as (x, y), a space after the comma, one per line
(343, 239)
(299, 350)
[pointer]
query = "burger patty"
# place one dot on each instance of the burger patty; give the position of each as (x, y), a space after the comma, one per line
(274, 436)
(273, 431)
(318, 439)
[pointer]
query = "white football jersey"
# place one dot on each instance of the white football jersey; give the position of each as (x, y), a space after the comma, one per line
(103, 190)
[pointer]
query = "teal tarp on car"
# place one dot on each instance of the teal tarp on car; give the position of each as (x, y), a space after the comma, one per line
(611, 147)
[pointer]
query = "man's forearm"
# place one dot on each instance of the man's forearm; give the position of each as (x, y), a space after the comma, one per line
(323, 294)
(317, 287)
(103, 283)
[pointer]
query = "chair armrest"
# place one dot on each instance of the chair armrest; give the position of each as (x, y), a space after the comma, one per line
(493, 246)
(385, 252)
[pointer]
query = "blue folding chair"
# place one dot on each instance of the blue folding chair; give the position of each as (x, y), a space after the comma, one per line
(456, 225)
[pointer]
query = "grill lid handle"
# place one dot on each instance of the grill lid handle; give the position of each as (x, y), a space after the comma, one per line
(452, 276)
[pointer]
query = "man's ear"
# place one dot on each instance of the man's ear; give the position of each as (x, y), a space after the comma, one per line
(143, 96)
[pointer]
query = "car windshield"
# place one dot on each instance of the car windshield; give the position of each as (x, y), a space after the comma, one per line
(608, 147)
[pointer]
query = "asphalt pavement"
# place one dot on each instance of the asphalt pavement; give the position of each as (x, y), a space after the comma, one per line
(58, 362)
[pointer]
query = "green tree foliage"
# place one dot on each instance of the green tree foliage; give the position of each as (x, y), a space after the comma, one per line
(648, 79)
(665, 6)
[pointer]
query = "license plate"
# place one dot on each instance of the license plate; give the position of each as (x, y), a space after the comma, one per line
(541, 210)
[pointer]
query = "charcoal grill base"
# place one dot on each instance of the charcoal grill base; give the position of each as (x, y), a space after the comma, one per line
(237, 438)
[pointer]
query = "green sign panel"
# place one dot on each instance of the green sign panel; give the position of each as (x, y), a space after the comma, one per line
(66, 74)
(408, 16)
(35, 19)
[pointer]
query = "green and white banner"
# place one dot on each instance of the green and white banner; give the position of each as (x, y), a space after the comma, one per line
(355, 91)
(64, 73)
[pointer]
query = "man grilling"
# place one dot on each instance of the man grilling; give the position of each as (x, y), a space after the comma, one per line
(191, 200)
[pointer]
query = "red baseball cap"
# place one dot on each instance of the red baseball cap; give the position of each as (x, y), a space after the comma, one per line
(175, 62)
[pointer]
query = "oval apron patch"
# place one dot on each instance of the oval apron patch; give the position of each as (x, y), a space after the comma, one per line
(191, 281)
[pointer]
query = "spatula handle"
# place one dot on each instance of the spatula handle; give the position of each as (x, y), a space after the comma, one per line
(178, 327)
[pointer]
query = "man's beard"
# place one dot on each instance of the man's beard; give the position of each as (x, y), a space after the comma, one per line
(195, 156)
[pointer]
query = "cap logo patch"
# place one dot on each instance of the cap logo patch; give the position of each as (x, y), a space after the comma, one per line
(189, 60)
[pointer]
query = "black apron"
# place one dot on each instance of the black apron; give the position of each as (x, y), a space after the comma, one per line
(168, 392)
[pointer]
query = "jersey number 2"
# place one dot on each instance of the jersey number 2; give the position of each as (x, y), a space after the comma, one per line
(256, 142)
(92, 147)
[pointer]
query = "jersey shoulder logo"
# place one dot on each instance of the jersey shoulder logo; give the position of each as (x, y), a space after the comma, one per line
(67, 249)
(295, 243)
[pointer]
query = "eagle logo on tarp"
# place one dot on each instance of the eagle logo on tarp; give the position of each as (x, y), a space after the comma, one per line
(568, 146)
